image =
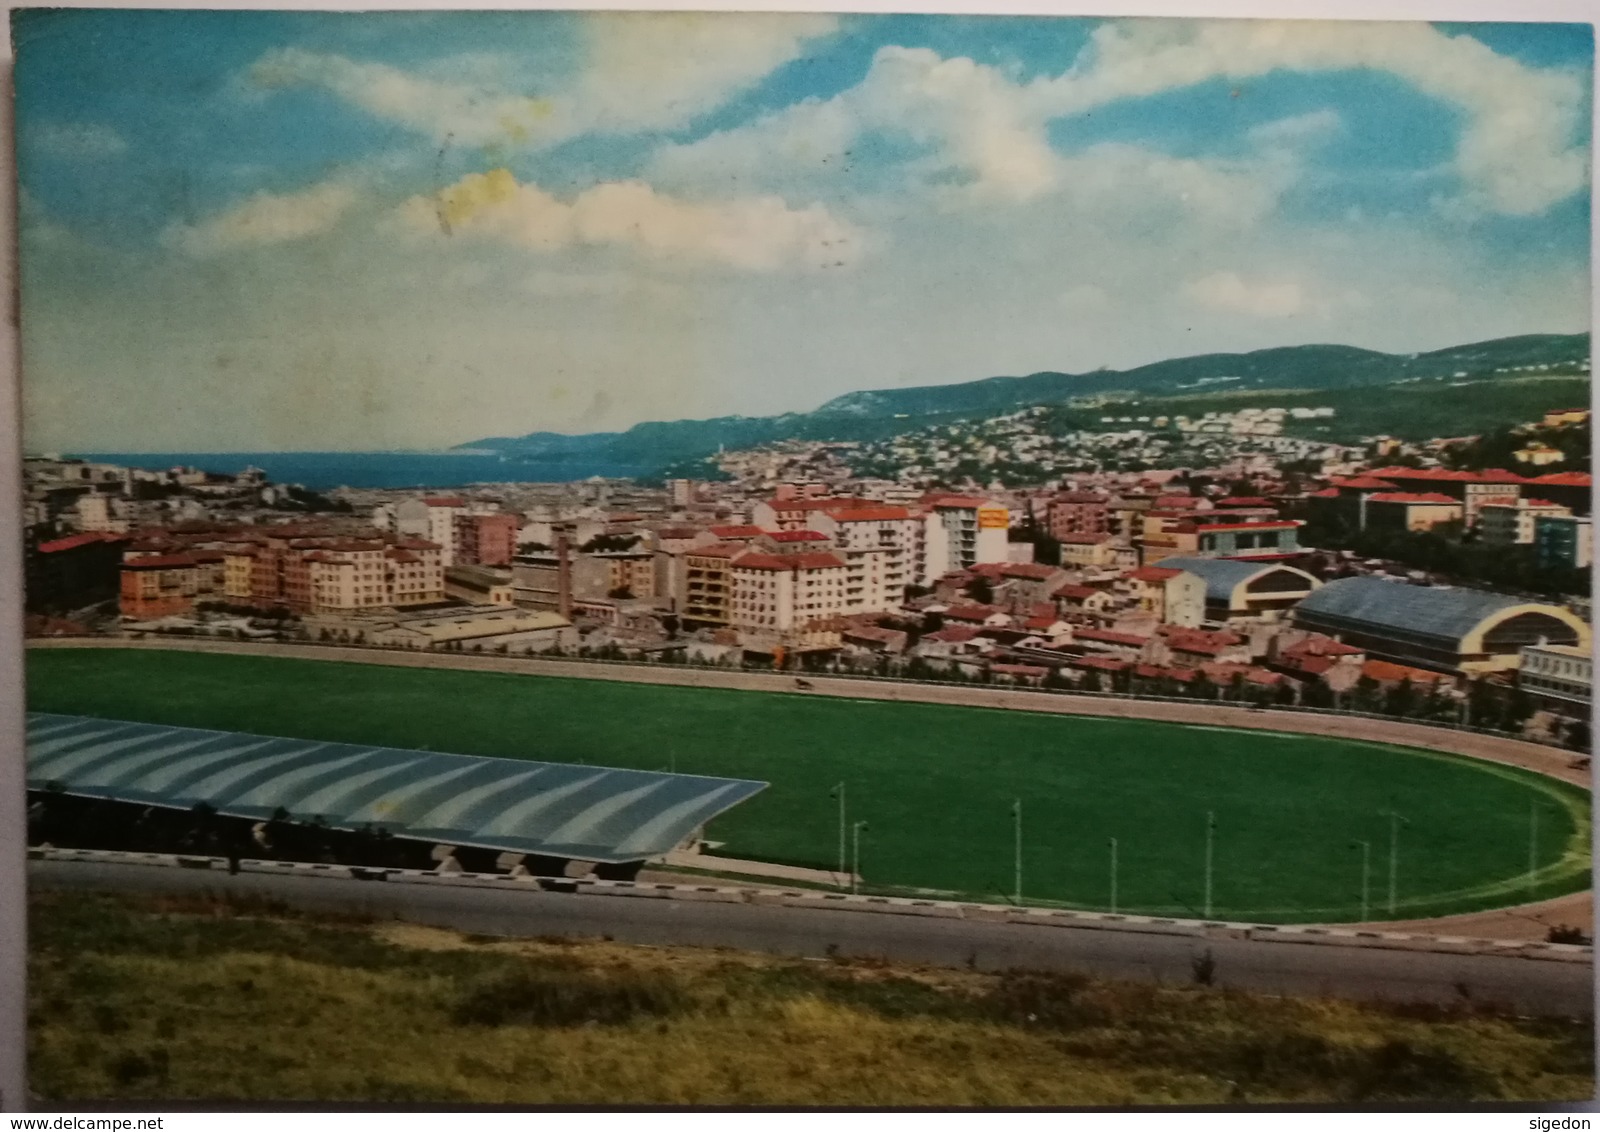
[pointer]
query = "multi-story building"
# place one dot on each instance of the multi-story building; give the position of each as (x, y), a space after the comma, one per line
(74, 572)
(479, 585)
(961, 532)
(788, 598)
(707, 597)
(1563, 541)
(485, 539)
(878, 544)
(1559, 676)
(1512, 524)
(1411, 510)
(1173, 597)
(159, 585)
(1078, 513)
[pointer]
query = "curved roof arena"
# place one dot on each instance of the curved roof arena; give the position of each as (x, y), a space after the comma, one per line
(560, 810)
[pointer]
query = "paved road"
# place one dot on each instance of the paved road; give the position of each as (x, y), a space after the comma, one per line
(1530, 986)
(1530, 756)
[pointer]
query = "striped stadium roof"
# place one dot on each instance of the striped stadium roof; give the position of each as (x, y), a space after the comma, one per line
(581, 812)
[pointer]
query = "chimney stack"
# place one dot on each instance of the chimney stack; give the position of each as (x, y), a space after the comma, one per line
(563, 574)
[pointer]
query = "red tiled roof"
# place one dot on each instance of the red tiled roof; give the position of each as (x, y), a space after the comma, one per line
(717, 550)
(787, 562)
(1244, 501)
(1322, 646)
(797, 536)
(395, 554)
(940, 500)
(741, 530)
(1039, 622)
(73, 542)
(1107, 636)
(1365, 483)
(1080, 497)
(1152, 574)
(158, 562)
(1385, 672)
(1271, 525)
(852, 514)
(1104, 663)
(955, 634)
(1084, 539)
(416, 544)
(1541, 503)
(1564, 479)
(1412, 497)
(1075, 592)
(974, 612)
(445, 501)
(1035, 570)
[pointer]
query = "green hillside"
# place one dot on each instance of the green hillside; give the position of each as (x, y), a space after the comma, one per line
(1323, 370)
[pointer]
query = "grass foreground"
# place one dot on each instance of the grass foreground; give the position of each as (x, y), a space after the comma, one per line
(222, 998)
(936, 783)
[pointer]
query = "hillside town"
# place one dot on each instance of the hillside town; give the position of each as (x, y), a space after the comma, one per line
(1199, 581)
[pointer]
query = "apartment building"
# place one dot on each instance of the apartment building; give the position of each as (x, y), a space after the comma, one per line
(794, 596)
(878, 544)
(961, 532)
(1513, 524)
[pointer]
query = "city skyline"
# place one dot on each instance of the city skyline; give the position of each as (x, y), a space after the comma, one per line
(318, 231)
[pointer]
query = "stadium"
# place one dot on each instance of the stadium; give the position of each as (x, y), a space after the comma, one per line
(1273, 827)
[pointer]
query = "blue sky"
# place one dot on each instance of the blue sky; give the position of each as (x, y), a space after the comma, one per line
(311, 230)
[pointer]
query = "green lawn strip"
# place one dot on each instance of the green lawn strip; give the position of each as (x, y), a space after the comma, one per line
(934, 782)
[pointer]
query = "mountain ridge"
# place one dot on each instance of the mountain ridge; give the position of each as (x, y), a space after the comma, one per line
(873, 413)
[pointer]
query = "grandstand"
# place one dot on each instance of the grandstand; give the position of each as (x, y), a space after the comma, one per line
(569, 812)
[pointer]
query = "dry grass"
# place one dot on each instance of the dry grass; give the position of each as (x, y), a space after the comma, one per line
(197, 999)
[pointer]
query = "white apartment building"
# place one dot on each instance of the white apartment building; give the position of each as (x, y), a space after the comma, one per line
(780, 594)
(1563, 673)
(1512, 524)
(880, 548)
(962, 531)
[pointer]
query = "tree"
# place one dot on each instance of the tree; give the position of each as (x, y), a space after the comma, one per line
(1577, 736)
(980, 590)
(1317, 694)
(1090, 681)
(1401, 698)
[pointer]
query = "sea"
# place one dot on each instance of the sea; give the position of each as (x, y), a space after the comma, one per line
(323, 471)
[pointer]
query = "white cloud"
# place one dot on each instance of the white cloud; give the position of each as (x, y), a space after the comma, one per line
(640, 71)
(267, 218)
(1517, 151)
(1272, 297)
(445, 111)
(81, 141)
(751, 233)
(657, 70)
(968, 120)
(1315, 125)
(1226, 291)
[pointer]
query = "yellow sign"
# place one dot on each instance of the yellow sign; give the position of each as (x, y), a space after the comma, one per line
(991, 518)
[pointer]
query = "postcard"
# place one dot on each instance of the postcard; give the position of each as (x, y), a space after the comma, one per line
(743, 558)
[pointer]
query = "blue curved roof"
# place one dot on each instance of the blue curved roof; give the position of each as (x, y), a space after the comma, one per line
(582, 812)
(1437, 612)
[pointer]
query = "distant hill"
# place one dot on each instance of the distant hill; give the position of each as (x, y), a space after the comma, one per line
(871, 414)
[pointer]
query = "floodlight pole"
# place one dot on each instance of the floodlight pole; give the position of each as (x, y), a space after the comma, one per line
(1113, 876)
(1394, 861)
(1533, 840)
(1016, 813)
(1366, 878)
(838, 792)
(1211, 838)
(855, 873)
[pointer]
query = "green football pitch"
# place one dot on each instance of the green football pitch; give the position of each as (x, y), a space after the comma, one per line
(936, 784)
